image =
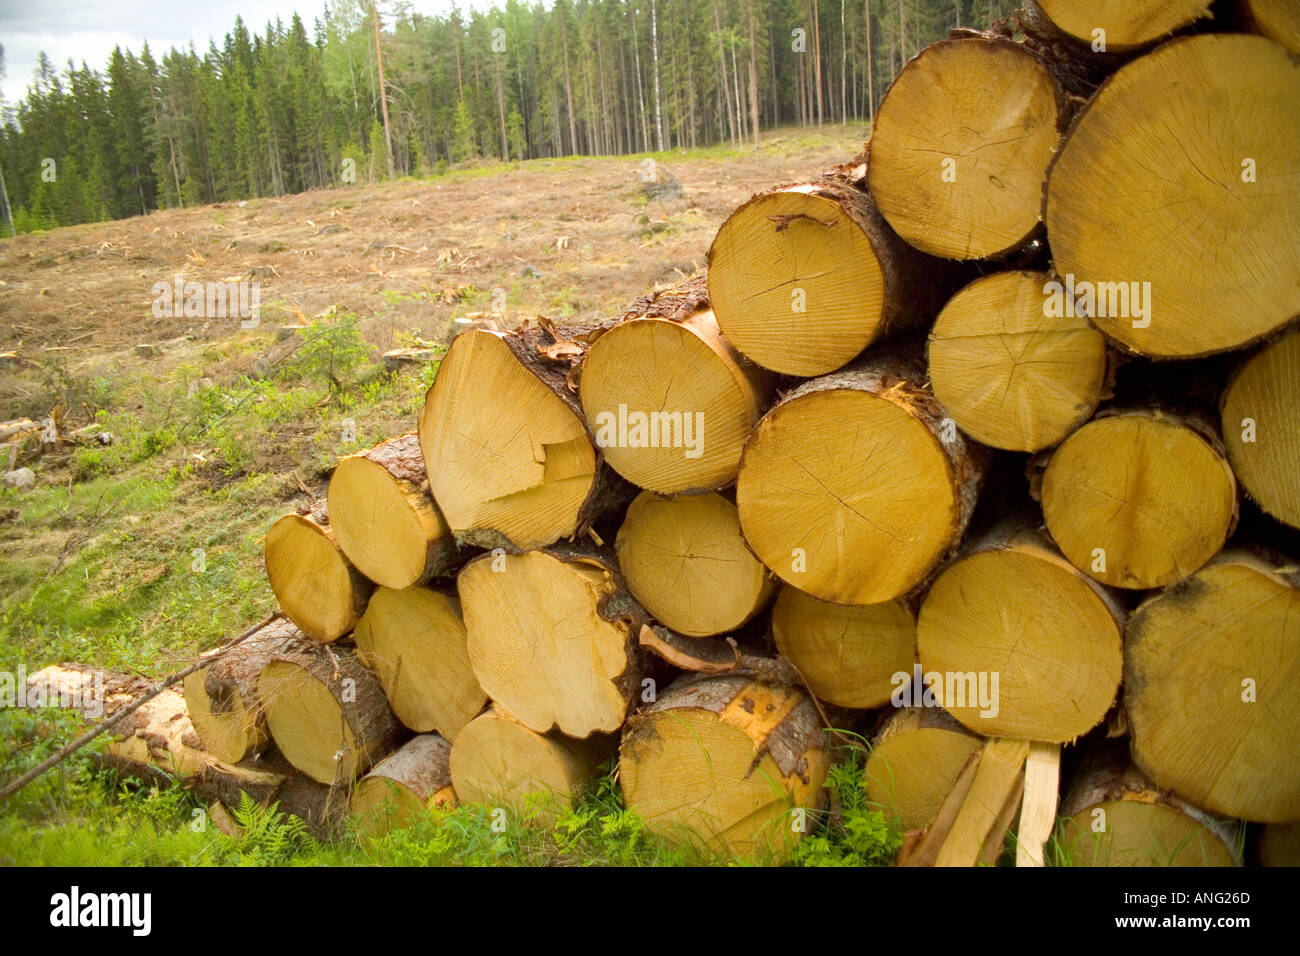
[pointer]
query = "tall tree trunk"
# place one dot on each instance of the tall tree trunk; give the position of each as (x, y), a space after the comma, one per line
(722, 69)
(568, 88)
(753, 77)
(871, 70)
(844, 68)
(383, 91)
(817, 61)
(640, 92)
(740, 116)
(902, 34)
(654, 53)
(501, 112)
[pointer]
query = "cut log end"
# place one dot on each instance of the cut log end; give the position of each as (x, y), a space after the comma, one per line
(507, 457)
(404, 786)
(318, 589)
(848, 655)
(850, 489)
(915, 761)
(326, 713)
(725, 763)
(1113, 816)
(670, 402)
(415, 642)
(966, 182)
(1261, 428)
(1212, 689)
(1139, 500)
(541, 646)
(1133, 234)
(384, 518)
(1019, 643)
(795, 282)
(1012, 376)
(1121, 26)
(498, 762)
(686, 563)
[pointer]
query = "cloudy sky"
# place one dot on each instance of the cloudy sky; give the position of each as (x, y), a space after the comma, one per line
(89, 29)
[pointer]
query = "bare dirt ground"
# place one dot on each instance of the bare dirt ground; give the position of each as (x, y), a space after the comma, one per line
(573, 239)
(226, 428)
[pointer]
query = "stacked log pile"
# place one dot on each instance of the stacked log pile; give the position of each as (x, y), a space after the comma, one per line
(985, 444)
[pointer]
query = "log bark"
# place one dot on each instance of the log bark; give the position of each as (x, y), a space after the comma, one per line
(1138, 191)
(385, 519)
(686, 562)
(1015, 642)
(960, 146)
(669, 400)
(1011, 375)
(318, 588)
(327, 713)
(1140, 498)
(222, 698)
(804, 277)
(415, 642)
(855, 486)
(726, 763)
(1212, 688)
(404, 786)
(510, 460)
(552, 638)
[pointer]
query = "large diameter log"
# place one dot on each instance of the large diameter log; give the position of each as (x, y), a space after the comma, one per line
(1016, 642)
(1195, 146)
(916, 758)
(686, 563)
(960, 146)
(415, 642)
(1140, 499)
(1279, 20)
(1113, 816)
(384, 517)
(404, 786)
(327, 713)
(1212, 688)
(855, 486)
(669, 400)
(498, 762)
(222, 700)
(725, 763)
(805, 277)
(1011, 374)
(508, 454)
(552, 639)
(849, 655)
(1260, 413)
(1118, 25)
(317, 587)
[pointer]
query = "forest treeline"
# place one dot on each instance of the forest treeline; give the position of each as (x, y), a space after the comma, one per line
(290, 109)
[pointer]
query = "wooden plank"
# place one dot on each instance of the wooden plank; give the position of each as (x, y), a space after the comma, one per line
(999, 774)
(1038, 811)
